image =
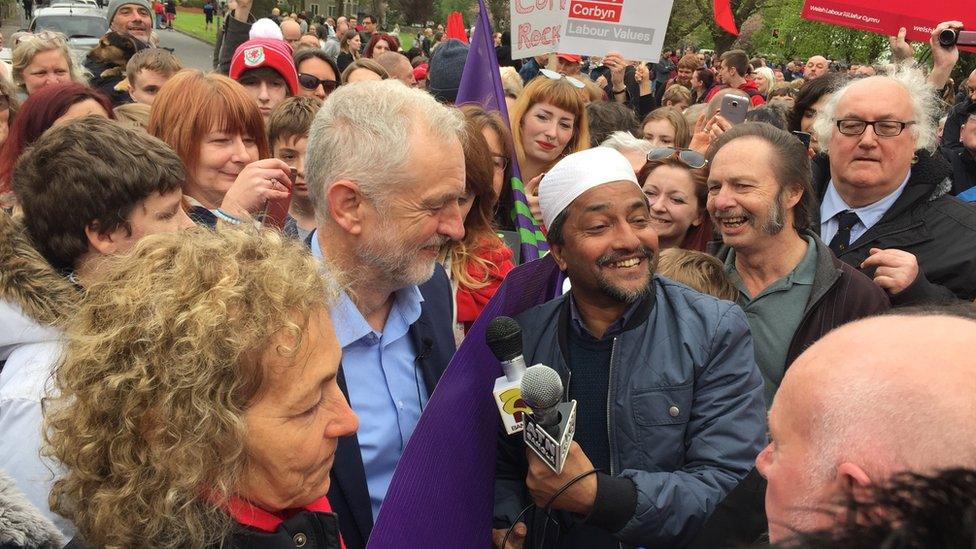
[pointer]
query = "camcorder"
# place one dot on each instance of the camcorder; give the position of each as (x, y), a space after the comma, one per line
(953, 37)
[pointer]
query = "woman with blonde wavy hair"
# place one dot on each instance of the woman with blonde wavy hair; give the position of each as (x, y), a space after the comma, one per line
(197, 399)
(43, 59)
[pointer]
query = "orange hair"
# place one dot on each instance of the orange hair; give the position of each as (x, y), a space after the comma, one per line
(560, 94)
(192, 104)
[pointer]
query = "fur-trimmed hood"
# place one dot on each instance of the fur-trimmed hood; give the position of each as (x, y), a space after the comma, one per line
(21, 524)
(35, 299)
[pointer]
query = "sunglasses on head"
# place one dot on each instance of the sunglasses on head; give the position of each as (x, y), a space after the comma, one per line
(693, 159)
(553, 75)
(310, 82)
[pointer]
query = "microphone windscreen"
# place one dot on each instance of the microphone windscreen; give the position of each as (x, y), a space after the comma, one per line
(541, 387)
(504, 338)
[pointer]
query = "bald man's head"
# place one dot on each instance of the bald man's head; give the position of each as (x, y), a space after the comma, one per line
(398, 66)
(291, 31)
(874, 397)
(816, 67)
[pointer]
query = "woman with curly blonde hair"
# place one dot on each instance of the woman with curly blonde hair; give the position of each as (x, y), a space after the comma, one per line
(197, 399)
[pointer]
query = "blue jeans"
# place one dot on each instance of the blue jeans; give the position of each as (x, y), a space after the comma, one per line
(159, 20)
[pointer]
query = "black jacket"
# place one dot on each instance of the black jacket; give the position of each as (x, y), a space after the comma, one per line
(433, 337)
(939, 229)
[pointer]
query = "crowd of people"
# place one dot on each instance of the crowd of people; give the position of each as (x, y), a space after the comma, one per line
(227, 298)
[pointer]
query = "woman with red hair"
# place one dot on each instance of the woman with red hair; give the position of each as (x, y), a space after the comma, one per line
(46, 107)
(216, 128)
(381, 43)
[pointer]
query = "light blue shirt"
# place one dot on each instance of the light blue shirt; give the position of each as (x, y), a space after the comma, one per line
(868, 215)
(384, 381)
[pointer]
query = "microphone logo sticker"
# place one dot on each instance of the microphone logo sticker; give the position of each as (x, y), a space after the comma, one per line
(512, 403)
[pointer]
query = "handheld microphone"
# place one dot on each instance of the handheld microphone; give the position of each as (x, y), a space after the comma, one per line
(549, 429)
(504, 338)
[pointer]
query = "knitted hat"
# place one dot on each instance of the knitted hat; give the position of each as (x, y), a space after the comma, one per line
(420, 71)
(444, 71)
(114, 6)
(265, 28)
(265, 52)
(577, 173)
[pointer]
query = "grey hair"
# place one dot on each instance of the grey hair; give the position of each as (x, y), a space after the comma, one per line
(363, 133)
(44, 41)
(625, 141)
(925, 106)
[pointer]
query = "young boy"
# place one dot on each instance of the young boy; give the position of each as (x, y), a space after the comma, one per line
(288, 127)
(147, 71)
(265, 68)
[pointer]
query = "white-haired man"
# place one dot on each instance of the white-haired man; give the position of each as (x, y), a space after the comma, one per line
(885, 204)
(842, 421)
(383, 223)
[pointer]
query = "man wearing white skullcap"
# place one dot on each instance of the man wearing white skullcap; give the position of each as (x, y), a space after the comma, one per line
(670, 402)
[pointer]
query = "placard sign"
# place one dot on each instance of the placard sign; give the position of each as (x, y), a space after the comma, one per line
(633, 28)
(536, 26)
(887, 16)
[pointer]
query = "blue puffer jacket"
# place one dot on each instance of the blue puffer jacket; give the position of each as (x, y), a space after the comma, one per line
(686, 416)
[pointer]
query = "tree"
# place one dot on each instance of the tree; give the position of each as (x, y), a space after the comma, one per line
(416, 11)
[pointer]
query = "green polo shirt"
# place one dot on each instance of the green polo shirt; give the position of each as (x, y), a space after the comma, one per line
(775, 314)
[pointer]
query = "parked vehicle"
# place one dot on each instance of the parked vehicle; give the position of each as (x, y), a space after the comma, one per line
(83, 23)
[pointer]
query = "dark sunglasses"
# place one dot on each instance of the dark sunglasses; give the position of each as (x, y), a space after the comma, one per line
(310, 82)
(693, 159)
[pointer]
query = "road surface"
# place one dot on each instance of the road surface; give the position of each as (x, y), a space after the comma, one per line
(194, 53)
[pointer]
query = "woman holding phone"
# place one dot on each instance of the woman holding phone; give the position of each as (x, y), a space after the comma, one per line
(217, 130)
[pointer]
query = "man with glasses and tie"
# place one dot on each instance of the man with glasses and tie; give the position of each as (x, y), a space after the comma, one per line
(885, 204)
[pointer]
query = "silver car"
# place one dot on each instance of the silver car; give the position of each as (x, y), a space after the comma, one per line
(82, 23)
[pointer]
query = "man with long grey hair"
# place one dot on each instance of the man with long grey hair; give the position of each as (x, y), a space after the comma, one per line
(385, 171)
(790, 285)
(884, 197)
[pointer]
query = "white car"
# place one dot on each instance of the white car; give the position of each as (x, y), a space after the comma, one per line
(83, 23)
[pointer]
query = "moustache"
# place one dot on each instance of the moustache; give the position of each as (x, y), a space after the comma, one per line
(736, 212)
(643, 252)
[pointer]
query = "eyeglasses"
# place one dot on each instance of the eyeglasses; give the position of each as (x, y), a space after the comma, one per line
(882, 128)
(693, 159)
(310, 82)
(500, 161)
(553, 75)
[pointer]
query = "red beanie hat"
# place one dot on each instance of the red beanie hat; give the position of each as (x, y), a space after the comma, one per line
(265, 52)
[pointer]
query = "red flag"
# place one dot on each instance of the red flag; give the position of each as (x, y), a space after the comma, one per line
(455, 27)
(723, 16)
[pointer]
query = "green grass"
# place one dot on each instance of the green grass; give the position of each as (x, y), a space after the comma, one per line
(192, 23)
(406, 40)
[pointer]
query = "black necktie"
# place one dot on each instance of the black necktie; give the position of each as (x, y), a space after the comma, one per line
(845, 220)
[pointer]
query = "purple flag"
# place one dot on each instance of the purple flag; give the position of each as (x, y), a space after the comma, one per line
(481, 83)
(441, 494)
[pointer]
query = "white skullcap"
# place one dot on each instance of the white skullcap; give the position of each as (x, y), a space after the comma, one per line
(265, 28)
(578, 173)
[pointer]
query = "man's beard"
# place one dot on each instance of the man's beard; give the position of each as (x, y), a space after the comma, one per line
(622, 295)
(388, 255)
(775, 218)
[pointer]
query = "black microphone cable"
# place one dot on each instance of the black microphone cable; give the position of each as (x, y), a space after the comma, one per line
(547, 508)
